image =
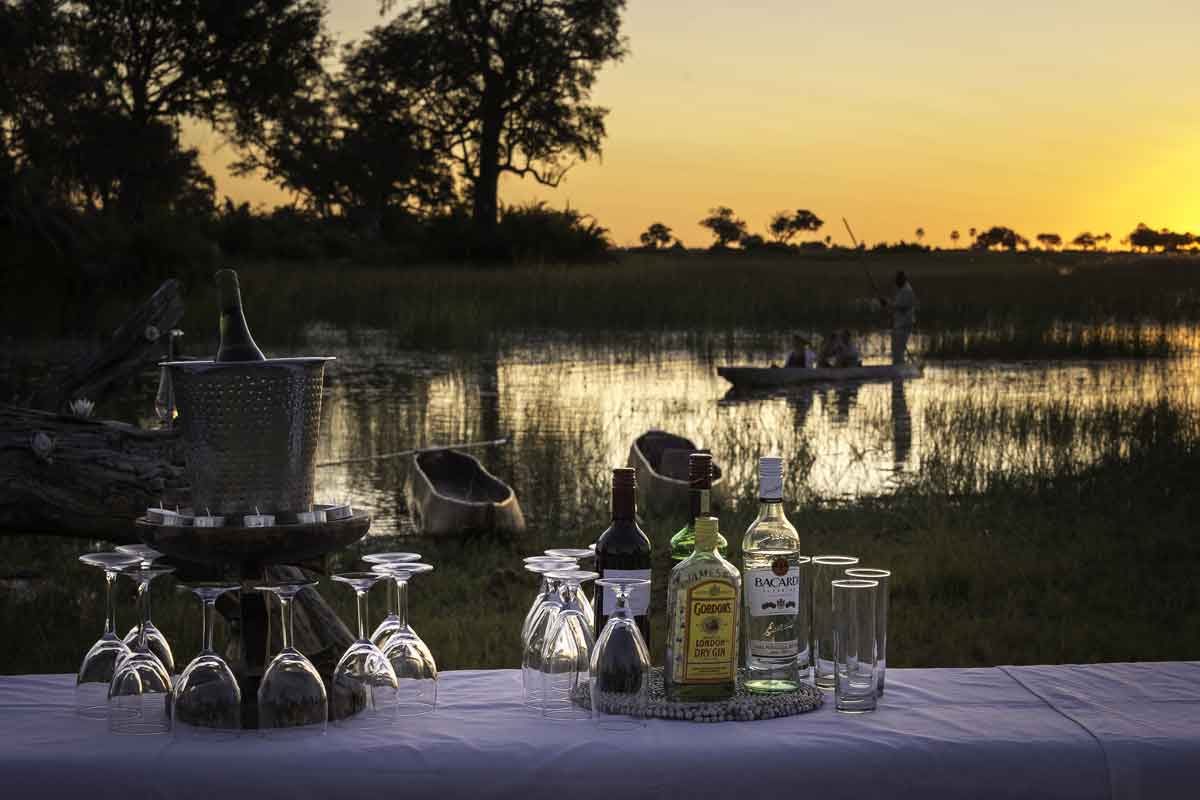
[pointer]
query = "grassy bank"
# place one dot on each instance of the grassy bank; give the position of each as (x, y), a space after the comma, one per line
(1034, 295)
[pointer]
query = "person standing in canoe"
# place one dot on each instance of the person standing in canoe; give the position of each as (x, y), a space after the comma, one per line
(904, 316)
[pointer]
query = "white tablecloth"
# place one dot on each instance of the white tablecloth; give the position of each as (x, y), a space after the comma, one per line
(1096, 731)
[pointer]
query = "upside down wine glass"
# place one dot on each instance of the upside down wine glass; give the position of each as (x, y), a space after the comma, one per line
(578, 554)
(620, 669)
(416, 671)
(539, 630)
(540, 565)
(292, 694)
(100, 664)
(206, 696)
(567, 652)
(364, 683)
(391, 623)
(139, 696)
(155, 639)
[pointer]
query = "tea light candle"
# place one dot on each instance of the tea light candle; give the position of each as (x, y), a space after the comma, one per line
(258, 520)
(155, 515)
(337, 513)
(310, 517)
(208, 521)
(175, 519)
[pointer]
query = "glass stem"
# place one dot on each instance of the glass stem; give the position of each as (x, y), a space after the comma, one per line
(392, 596)
(361, 596)
(210, 608)
(110, 608)
(144, 605)
(621, 594)
(285, 604)
(402, 601)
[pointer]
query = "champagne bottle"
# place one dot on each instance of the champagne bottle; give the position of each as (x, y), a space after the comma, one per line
(700, 471)
(236, 342)
(623, 551)
(703, 612)
(774, 619)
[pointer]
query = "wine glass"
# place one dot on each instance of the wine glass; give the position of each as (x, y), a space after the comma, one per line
(416, 671)
(578, 554)
(539, 629)
(364, 683)
(540, 565)
(140, 692)
(164, 398)
(291, 694)
(155, 639)
(100, 664)
(206, 696)
(391, 622)
(567, 652)
(620, 685)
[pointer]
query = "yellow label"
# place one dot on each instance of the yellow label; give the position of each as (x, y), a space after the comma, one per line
(710, 632)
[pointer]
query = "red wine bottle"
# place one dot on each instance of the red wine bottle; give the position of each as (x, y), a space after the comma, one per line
(236, 342)
(623, 551)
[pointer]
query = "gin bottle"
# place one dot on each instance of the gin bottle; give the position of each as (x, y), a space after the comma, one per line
(700, 470)
(703, 609)
(771, 558)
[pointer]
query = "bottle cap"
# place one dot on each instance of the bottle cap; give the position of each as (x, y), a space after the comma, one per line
(770, 478)
(706, 533)
(624, 478)
(700, 470)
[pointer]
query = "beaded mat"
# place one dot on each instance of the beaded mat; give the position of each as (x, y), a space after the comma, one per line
(743, 706)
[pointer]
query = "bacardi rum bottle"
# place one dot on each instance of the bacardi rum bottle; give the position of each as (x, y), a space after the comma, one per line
(771, 558)
(703, 609)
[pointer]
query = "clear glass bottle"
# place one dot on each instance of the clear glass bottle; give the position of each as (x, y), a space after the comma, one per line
(771, 600)
(703, 610)
(700, 472)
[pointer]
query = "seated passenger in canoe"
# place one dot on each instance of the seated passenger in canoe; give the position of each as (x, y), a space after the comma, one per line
(802, 355)
(831, 348)
(848, 355)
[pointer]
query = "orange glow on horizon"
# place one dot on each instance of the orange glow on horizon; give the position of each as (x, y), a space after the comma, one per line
(932, 115)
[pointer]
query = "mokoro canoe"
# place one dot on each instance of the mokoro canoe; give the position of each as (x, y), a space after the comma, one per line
(661, 461)
(765, 377)
(451, 493)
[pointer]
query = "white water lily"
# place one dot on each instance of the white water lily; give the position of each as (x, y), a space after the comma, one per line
(82, 407)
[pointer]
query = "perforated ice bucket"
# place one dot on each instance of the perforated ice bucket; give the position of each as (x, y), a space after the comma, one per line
(250, 432)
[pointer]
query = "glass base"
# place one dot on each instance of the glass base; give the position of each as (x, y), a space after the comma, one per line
(855, 705)
(771, 685)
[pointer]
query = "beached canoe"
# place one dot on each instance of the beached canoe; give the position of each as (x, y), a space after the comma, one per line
(767, 377)
(451, 493)
(661, 461)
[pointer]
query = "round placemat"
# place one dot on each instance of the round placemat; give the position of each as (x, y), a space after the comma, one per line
(743, 706)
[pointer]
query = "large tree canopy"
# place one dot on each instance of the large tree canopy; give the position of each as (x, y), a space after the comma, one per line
(506, 84)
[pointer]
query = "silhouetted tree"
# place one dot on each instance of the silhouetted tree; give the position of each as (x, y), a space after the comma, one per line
(971, 232)
(954, 236)
(506, 84)
(656, 236)
(1084, 240)
(1149, 239)
(920, 234)
(350, 145)
(726, 228)
(999, 236)
(784, 225)
(752, 241)
(1106, 238)
(1049, 240)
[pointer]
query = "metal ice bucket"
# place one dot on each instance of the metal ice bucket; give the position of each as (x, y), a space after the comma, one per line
(250, 432)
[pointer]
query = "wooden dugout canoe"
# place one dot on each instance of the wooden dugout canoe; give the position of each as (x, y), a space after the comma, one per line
(450, 493)
(768, 377)
(661, 461)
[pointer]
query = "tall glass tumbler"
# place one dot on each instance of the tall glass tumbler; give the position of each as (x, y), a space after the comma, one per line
(825, 570)
(855, 688)
(881, 613)
(804, 657)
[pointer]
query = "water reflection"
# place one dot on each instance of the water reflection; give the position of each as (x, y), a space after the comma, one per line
(570, 412)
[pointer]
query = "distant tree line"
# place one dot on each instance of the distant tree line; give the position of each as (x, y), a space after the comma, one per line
(412, 125)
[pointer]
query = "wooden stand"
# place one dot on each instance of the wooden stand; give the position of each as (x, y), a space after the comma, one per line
(253, 556)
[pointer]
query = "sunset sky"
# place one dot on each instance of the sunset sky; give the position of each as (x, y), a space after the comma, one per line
(1044, 116)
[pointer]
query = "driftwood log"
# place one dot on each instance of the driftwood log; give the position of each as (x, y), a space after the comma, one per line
(138, 342)
(82, 477)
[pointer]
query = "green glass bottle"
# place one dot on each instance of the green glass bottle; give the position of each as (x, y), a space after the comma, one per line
(700, 472)
(703, 612)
